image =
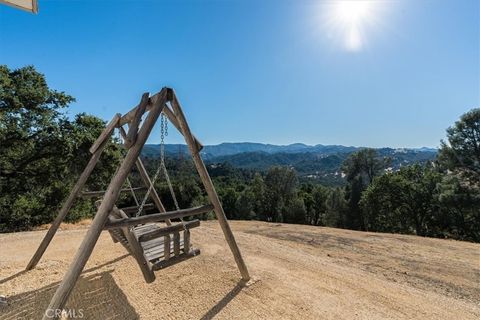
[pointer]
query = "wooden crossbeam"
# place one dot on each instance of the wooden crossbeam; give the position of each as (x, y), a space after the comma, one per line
(156, 217)
(134, 209)
(153, 100)
(130, 115)
(94, 194)
(170, 262)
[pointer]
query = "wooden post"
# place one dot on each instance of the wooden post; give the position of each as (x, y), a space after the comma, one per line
(135, 248)
(71, 198)
(173, 119)
(209, 187)
(176, 244)
(147, 182)
(106, 133)
(133, 126)
(186, 241)
(63, 292)
(137, 253)
(166, 247)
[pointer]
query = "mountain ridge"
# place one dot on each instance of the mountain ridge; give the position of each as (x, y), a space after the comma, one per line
(232, 148)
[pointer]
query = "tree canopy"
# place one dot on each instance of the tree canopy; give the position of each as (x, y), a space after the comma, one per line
(42, 150)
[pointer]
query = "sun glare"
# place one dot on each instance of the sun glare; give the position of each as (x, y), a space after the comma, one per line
(350, 18)
(351, 12)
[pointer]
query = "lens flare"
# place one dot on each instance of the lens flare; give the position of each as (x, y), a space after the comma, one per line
(350, 19)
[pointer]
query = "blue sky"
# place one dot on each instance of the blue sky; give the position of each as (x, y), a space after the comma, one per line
(263, 71)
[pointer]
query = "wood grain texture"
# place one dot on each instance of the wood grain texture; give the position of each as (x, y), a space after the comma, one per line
(106, 133)
(162, 264)
(156, 217)
(167, 230)
(135, 122)
(94, 194)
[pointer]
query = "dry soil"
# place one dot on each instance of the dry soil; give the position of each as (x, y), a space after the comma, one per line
(299, 272)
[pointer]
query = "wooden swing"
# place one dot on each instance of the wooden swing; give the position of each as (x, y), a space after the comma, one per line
(154, 246)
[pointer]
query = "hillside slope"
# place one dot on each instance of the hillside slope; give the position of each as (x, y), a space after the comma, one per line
(301, 272)
(320, 163)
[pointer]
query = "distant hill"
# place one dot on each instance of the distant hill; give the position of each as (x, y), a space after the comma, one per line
(225, 149)
(229, 148)
(317, 166)
(321, 163)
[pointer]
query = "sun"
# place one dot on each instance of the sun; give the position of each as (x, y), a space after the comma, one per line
(351, 18)
(352, 12)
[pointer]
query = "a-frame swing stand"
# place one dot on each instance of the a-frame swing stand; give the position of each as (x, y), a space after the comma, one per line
(109, 217)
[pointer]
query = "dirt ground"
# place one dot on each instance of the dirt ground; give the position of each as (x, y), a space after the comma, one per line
(300, 272)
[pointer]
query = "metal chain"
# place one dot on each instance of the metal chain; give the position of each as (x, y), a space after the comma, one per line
(163, 134)
(155, 177)
(132, 191)
(166, 124)
(122, 157)
(167, 177)
(162, 137)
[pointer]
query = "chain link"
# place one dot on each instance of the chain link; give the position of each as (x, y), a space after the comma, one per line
(162, 137)
(132, 191)
(166, 124)
(155, 177)
(157, 173)
(172, 192)
(122, 157)
(163, 134)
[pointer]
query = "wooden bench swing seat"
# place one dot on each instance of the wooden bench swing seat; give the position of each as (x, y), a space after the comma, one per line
(154, 250)
(154, 246)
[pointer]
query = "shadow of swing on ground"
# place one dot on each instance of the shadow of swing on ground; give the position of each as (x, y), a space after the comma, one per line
(13, 276)
(21, 272)
(224, 301)
(106, 263)
(94, 297)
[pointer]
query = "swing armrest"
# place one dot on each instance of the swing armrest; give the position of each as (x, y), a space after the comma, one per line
(168, 230)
